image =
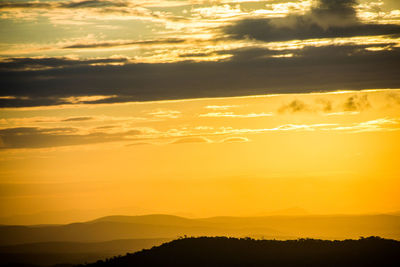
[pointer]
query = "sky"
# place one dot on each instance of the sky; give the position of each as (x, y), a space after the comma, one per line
(199, 108)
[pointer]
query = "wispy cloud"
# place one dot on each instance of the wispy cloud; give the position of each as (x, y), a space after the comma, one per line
(378, 125)
(62, 135)
(233, 115)
(86, 99)
(78, 12)
(222, 107)
(192, 140)
(34, 137)
(235, 139)
(162, 113)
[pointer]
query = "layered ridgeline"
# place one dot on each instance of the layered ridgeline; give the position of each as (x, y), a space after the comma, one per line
(167, 226)
(117, 235)
(223, 251)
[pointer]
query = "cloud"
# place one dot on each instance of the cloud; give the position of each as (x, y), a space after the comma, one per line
(356, 103)
(192, 140)
(162, 113)
(341, 113)
(233, 115)
(327, 19)
(77, 12)
(294, 106)
(74, 119)
(237, 139)
(351, 106)
(378, 125)
(111, 44)
(42, 63)
(284, 127)
(223, 107)
(35, 137)
(139, 144)
(310, 69)
(93, 3)
(12, 5)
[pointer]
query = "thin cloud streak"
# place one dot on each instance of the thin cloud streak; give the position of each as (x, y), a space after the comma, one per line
(233, 115)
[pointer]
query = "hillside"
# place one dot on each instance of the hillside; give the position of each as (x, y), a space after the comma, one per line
(223, 251)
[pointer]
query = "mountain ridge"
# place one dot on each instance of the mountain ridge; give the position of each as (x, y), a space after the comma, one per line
(167, 226)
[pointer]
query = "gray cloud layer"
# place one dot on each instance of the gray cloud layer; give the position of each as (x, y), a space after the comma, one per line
(114, 44)
(330, 18)
(249, 71)
(64, 4)
(50, 62)
(33, 137)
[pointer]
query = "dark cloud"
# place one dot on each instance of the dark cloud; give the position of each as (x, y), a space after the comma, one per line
(78, 119)
(196, 55)
(34, 137)
(352, 103)
(356, 103)
(24, 63)
(93, 3)
(115, 44)
(247, 72)
(63, 4)
(328, 19)
(9, 5)
(293, 107)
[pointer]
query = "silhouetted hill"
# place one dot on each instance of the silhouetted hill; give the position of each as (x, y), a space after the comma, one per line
(164, 226)
(222, 251)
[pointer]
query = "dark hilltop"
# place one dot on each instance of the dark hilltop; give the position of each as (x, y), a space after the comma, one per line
(224, 251)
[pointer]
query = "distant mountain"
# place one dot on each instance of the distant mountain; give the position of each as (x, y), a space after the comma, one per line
(51, 253)
(165, 226)
(222, 251)
(294, 211)
(153, 219)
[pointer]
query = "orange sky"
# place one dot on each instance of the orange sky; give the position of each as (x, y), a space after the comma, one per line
(326, 153)
(198, 108)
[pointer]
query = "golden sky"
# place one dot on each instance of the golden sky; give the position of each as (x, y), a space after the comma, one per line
(325, 152)
(199, 108)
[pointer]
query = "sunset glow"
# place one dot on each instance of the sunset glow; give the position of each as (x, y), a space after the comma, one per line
(198, 108)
